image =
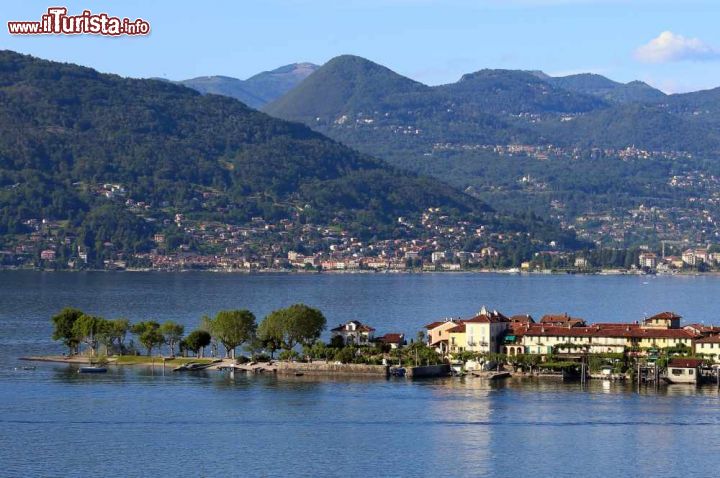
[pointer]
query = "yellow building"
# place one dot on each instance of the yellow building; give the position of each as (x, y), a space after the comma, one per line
(457, 339)
(708, 347)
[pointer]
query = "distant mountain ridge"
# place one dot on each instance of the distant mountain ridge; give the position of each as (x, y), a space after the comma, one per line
(523, 140)
(258, 90)
(607, 89)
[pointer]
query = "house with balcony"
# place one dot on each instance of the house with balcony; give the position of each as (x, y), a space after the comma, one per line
(485, 331)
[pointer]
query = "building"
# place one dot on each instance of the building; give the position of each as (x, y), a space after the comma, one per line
(683, 370)
(47, 255)
(582, 263)
(663, 320)
(484, 332)
(562, 320)
(438, 336)
(648, 260)
(354, 332)
(439, 257)
(457, 339)
(394, 340)
(708, 347)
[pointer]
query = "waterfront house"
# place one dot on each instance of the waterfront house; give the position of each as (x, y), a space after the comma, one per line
(658, 332)
(438, 336)
(648, 260)
(683, 370)
(354, 332)
(484, 332)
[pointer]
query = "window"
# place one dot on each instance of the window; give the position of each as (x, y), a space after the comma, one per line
(691, 372)
(677, 371)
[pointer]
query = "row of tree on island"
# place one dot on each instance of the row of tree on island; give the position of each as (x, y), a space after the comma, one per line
(287, 330)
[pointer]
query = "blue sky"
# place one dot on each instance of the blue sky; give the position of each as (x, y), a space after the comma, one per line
(674, 45)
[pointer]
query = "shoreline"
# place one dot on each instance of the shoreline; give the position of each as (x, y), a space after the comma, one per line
(601, 272)
(312, 369)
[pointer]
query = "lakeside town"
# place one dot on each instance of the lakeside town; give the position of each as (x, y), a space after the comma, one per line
(488, 345)
(445, 246)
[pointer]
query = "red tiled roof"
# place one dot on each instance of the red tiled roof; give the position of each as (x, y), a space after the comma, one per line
(522, 318)
(685, 363)
(710, 339)
(664, 316)
(704, 329)
(616, 330)
(432, 325)
(493, 317)
(392, 338)
(563, 319)
(458, 328)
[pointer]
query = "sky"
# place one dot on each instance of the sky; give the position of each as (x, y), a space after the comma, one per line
(672, 45)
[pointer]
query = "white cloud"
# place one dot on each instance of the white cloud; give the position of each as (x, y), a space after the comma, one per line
(669, 46)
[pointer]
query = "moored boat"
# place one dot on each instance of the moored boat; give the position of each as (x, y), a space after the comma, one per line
(92, 369)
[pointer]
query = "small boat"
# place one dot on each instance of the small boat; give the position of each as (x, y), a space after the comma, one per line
(193, 367)
(299, 374)
(92, 369)
(397, 371)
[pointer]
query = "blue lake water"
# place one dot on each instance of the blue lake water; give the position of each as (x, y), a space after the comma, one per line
(139, 422)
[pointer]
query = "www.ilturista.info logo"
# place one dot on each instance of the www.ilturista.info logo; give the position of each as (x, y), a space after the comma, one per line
(57, 22)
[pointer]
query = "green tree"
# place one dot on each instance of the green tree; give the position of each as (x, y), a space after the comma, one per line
(197, 340)
(63, 323)
(120, 327)
(271, 332)
(297, 324)
(87, 328)
(148, 333)
(172, 333)
(233, 328)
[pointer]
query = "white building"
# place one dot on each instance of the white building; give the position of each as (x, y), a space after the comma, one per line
(354, 332)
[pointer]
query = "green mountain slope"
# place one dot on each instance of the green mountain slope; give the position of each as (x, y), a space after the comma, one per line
(66, 129)
(607, 89)
(526, 141)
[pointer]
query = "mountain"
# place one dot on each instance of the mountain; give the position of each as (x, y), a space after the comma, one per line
(570, 147)
(66, 131)
(257, 90)
(607, 89)
(345, 84)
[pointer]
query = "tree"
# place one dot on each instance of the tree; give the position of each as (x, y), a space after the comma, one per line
(113, 332)
(233, 328)
(120, 329)
(304, 325)
(87, 328)
(148, 333)
(64, 322)
(197, 340)
(297, 324)
(271, 332)
(172, 333)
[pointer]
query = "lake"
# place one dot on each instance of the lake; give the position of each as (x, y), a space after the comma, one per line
(141, 422)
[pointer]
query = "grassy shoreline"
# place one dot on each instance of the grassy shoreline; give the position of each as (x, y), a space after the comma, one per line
(119, 360)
